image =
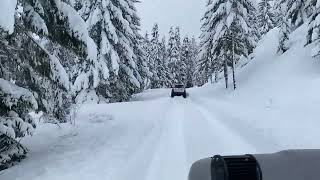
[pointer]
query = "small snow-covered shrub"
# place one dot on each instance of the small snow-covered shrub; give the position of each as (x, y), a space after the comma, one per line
(11, 152)
(15, 122)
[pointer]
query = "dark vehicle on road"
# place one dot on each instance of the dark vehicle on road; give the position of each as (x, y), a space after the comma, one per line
(179, 90)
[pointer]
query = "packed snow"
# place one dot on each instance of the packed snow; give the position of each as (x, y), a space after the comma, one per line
(155, 137)
(7, 10)
(13, 93)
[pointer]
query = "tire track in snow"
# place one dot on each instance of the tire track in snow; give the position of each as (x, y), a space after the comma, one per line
(188, 133)
(238, 125)
(170, 161)
(126, 150)
(136, 167)
(207, 136)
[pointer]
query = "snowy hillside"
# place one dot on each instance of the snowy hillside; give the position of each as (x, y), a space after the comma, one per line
(276, 94)
(155, 137)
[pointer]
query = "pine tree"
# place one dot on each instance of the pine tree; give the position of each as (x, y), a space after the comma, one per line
(266, 17)
(310, 7)
(16, 102)
(192, 63)
(142, 64)
(120, 52)
(155, 57)
(63, 52)
(313, 36)
(164, 68)
(179, 65)
(142, 72)
(40, 68)
(171, 58)
(184, 61)
(15, 121)
(65, 41)
(205, 61)
(254, 31)
(173, 55)
(284, 27)
(296, 13)
(188, 56)
(277, 7)
(225, 36)
(177, 36)
(284, 37)
(147, 58)
(55, 59)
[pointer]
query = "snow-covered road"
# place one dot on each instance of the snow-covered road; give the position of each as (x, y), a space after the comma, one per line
(153, 137)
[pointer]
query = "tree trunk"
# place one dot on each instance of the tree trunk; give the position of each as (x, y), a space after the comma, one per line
(234, 77)
(233, 66)
(226, 72)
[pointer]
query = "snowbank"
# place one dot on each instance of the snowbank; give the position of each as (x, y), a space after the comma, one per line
(7, 10)
(277, 95)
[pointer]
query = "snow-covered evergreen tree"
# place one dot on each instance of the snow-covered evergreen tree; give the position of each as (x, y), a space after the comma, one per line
(310, 7)
(62, 52)
(155, 57)
(277, 8)
(174, 54)
(147, 58)
(284, 37)
(142, 72)
(177, 36)
(159, 62)
(15, 121)
(114, 27)
(225, 36)
(296, 13)
(142, 64)
(191, 66)
(188, 60)
(313, 36)
(266, 16)
(284, 29)
(65, 42)
(254, 31)
(205, 61)
(164, 70)
(184, 60)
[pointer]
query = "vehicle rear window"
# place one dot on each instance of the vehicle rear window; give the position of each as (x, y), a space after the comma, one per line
(179, 86)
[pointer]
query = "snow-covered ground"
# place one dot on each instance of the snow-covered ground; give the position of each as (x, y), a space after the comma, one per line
(154, 137)
(7, 10)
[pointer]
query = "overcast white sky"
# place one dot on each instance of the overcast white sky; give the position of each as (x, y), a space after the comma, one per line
(167, 13)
